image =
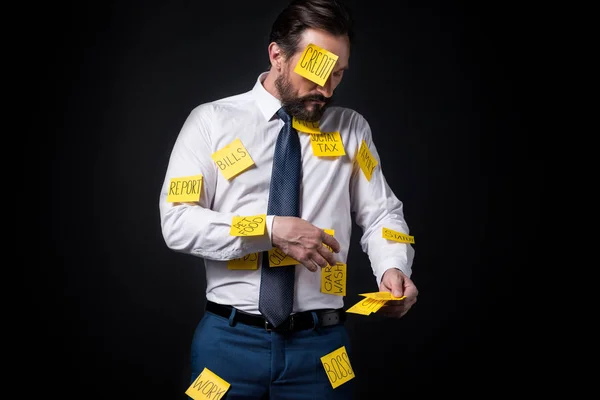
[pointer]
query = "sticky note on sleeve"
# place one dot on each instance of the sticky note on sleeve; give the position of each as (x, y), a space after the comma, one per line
(397, 236)
(185, 189)
(316, 64)
(249, 261)
(248, 226)
(208, 386)
(366, 161)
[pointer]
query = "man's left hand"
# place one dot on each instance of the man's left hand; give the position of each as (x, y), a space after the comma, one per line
(397, 283)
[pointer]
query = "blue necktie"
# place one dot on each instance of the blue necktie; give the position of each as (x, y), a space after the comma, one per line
(277, 283)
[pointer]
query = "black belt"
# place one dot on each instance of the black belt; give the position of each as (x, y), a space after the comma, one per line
(295, 322)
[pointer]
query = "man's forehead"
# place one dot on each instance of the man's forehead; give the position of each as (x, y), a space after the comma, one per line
(338, 45)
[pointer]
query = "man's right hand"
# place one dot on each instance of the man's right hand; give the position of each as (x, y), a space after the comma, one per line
(304, 242)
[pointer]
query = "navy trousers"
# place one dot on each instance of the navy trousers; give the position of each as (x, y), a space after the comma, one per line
(261, 365)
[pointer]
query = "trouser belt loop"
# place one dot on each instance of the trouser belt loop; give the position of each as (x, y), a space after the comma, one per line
(315, 320)
(232, 316)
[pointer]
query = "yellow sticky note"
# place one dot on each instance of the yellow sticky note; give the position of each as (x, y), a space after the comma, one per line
(316, 64)
(248, 226)
(185, 189)
(397, 236)
(327, 144)
(366, 160)
(278, 258)
(249, 261)
(208, 386)
(382, 296)
(305, 126)
(366, 306)
(337, 366)
(333, 279)
(232, 159)
(329, 232)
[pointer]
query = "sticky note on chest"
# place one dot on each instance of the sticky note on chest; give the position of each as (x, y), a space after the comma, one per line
(333, 279)
(316, 64)
(337, 366)
(366, 161)
(208, 386)
(278, 258)
(232, 159)
(327, 144)
(305, 126)
(185, 189)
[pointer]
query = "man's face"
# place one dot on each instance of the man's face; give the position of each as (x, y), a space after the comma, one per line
(301, 97)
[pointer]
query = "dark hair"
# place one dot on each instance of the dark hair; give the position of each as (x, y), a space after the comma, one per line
(332, 16)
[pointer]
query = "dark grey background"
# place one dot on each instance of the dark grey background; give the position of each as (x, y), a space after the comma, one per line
(449, 90)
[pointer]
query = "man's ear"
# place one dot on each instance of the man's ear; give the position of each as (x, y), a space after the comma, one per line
(276, 56)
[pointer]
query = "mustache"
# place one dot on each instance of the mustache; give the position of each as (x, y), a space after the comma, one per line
(316, 97)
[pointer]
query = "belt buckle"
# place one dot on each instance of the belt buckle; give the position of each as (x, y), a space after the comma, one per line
(289, 328)
(267, 326)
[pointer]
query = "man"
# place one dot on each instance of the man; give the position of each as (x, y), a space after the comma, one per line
(236, 155)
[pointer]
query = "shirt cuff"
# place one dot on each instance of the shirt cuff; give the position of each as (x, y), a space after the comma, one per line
(269, 227)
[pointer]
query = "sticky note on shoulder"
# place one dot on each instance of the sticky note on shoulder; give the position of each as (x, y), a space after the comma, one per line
(316, 64)
(397, 236)
(232, 159)
(208, 385)
(366, 160)
(337, 366)
(185, 189)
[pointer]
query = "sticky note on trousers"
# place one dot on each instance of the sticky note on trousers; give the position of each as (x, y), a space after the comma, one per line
(316, 64)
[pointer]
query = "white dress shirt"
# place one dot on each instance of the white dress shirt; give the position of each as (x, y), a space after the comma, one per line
(332, 188)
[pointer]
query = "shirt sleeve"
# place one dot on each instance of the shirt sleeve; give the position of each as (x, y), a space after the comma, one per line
(194, 228)
(376, 207)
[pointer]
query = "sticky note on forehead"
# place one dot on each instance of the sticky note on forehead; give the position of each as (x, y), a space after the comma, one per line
(316, 64)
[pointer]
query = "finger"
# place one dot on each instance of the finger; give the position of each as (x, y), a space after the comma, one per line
(398, 287)
(410, 291)
(320, 261)
(396, 302)
(330, 241)
(310, 265)
(392, 311)
(327, 255)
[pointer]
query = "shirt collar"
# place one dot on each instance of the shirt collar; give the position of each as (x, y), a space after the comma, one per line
(267, 103)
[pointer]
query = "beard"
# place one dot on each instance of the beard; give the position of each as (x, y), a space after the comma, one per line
(296, 106)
